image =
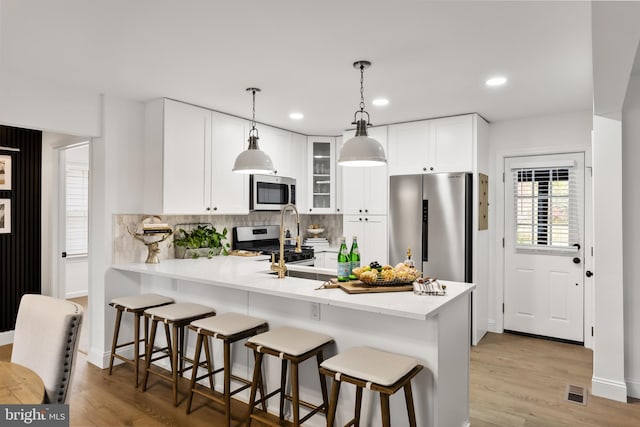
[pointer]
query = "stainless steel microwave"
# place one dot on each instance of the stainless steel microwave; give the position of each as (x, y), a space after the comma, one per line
(271, 192)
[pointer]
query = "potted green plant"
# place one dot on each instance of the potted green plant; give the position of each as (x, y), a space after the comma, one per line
(203, 240)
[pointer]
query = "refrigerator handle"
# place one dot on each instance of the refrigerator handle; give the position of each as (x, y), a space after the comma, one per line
(425, 230)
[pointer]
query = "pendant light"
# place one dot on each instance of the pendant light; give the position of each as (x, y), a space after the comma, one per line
(253, 160)
(361, 150)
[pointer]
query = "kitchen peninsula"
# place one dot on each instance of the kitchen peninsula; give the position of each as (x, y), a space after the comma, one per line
(433, 329)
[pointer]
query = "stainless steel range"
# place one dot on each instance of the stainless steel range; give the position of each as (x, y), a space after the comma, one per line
(265, 238)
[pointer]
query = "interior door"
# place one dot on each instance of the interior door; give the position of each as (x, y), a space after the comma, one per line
(543, 245)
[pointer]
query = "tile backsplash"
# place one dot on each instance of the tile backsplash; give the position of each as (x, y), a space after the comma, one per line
(127, 249)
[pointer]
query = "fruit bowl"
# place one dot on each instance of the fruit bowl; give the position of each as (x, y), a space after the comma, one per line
(315, 231)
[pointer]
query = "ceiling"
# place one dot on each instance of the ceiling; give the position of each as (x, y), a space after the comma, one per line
(430, 59)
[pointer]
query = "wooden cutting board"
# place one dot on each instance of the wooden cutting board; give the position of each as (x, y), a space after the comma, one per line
(244, 253)
(357, 287)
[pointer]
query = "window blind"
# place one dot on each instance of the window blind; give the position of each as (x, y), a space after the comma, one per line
(77, 207)
(546, 208)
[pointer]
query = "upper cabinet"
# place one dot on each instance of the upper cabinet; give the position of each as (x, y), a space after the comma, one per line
(365, 190)
(432, 146)
(321, 163)
(190, 152)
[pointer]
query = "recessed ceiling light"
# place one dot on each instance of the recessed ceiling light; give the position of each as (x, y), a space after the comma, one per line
(496, 81)
(296, 116)
(380, 102)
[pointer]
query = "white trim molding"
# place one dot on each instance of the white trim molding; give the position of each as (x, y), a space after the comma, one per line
(633, 387)
(614, 390)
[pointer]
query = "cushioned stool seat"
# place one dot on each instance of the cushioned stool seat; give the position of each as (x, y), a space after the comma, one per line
(294, 346)
(229, 328)
(376, 370)
(135, 304)
(177, 316)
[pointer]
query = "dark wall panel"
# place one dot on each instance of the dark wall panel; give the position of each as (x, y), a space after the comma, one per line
(20, 251)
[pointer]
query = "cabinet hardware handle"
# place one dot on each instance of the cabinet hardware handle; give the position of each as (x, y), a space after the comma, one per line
(431, 168)
(360, 210)
(366, 210)
(359, 219)
(309, 209)
(366, 219)
(424, 169)
(215, 208)
(589, 273)
(338, 210)
(208, 208)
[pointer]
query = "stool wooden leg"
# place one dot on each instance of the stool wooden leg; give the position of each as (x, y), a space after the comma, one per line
(358, 410)
(295, 392)
(227, 381)
(194, 375)
(207, 353)
(408, 396)
(136, 344)
(257, 377)
(283, 387)
(333, 403)
(181, 354)
(174, 363)
(147, 357)
(323, 382)
(262, 394)
(384, 405)
(114, 343)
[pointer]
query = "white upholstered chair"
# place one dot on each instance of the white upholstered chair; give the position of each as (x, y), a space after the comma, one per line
(46, 341)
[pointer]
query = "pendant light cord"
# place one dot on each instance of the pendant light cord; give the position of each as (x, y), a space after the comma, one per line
(253, 116)
(362, 88)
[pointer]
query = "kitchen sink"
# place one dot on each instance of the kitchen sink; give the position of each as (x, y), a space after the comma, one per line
(306, 275)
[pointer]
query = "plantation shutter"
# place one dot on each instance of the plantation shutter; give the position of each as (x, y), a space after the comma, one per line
(547, 204)
(77, 206)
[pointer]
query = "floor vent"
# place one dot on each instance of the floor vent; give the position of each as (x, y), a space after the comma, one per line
(576, 394)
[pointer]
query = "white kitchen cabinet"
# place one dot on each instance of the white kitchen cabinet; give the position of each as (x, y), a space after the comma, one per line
(365, 189)
(372, 233)
(432, 146)
(321, 172)
(277, 144)
(299, 170)
(339, 177)
(326, 259)
(229, 190)
(190, 154)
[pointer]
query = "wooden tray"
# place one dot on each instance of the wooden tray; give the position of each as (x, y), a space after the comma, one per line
(244, 253)
(357, 287)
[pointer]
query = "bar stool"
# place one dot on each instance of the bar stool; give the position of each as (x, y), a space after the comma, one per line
(177, 316)
(295, 346)
(230, 328)
(374, 370)
(135, 304)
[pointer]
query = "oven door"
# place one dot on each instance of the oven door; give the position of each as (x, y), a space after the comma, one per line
(271, 193)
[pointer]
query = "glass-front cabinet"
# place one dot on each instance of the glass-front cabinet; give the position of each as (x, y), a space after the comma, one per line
(322, 170)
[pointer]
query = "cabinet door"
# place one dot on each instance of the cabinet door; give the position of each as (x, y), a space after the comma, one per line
(186, 159)
(339, 178)
(298, 160)
(321, 169)
(372, 236)
(277, 144)
(365, 189)
(229, 190)
(408, 148)
(377, 242)
(320, 260)
(331, 260)
(451, 144)
(376, 179)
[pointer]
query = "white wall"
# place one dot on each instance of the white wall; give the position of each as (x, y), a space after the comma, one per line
(117, 179)
(631, 238)
(532, 135)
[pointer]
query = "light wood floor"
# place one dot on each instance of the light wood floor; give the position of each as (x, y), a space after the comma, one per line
(515, 381)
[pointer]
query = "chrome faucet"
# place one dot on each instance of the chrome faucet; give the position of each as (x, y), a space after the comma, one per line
(281, 268)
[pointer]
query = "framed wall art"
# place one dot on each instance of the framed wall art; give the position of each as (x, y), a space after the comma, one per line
(5, 216)
(5, 172)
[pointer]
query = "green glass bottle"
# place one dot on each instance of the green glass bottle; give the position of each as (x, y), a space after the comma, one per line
(344, 264)
(354, 257)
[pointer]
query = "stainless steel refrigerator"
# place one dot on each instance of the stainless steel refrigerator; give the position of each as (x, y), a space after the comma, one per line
(431, 214)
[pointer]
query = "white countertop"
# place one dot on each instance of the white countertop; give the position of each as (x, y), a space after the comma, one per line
(249, 274)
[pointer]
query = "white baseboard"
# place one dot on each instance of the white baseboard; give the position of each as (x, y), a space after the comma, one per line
(633, 387)
(77, 294)
(6, 338)
(614, 390)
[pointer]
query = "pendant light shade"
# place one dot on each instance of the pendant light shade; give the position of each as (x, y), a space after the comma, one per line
(253, 160)
(361, 150)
